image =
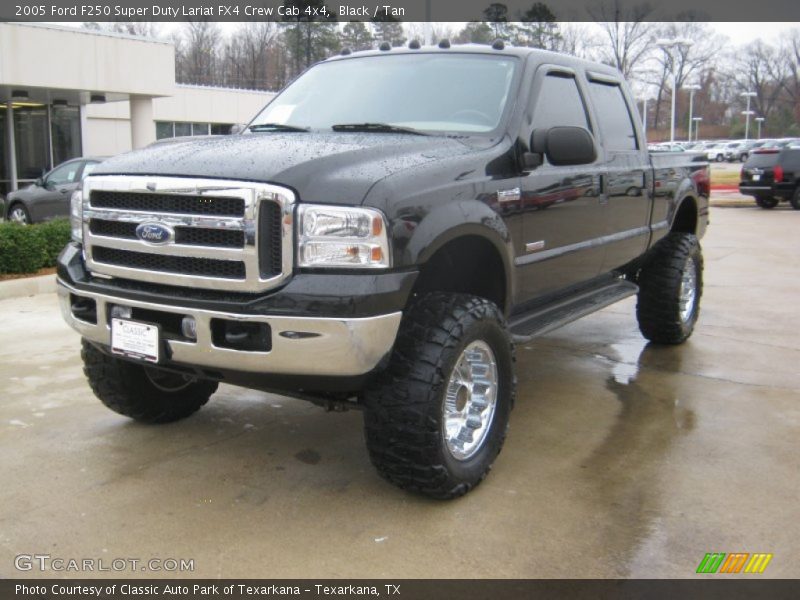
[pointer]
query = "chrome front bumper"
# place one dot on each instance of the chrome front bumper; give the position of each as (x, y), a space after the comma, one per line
(334, 346)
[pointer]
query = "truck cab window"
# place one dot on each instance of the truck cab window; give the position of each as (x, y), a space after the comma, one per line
(559, 103)
(613, 117)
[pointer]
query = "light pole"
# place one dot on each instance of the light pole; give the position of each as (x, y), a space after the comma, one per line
(747, 112)
(644, 116)
(697, 128)
(667, 45)
(692, 89)
(759, 120)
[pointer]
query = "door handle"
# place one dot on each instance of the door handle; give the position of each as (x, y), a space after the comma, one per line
(63, 190)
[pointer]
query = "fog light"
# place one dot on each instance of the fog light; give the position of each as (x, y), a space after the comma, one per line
(189, 328)
(121, 312)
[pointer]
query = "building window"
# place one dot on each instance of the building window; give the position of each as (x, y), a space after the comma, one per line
(220, 129)
(182, 129)
(164, 129)
(65, 122)
(168, 129)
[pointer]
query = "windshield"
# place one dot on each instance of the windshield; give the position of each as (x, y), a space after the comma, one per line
(429, 92)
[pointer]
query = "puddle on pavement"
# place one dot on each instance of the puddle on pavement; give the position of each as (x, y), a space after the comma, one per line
(623, 470)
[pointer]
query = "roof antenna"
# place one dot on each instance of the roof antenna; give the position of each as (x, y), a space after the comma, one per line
(498, 45)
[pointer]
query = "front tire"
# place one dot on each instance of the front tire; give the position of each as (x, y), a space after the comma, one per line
(19, 214)
(437, 417)
(140, 392)
(670, 287)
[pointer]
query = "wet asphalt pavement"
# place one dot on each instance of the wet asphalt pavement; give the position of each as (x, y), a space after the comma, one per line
(623, 459)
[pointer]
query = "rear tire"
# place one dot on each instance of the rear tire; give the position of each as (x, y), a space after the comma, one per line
(795, 201)
(19, 214)
(670, 287)
(434, 422)
(766, 202)
(143, 393)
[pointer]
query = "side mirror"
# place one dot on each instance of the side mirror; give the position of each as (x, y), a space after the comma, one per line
(39, 182)
(564, 146)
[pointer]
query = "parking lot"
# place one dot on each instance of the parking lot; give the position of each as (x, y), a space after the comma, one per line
(623, 460)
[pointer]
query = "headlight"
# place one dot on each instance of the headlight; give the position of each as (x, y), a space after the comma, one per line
(333, 236)
(76, 215)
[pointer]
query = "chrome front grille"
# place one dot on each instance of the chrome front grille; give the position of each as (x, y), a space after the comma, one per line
(224, 235)
(192, 236)
(169, 203)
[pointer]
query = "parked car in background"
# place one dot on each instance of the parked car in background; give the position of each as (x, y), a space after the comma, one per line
(716, 152)
(739, 151)
(667, 147)
(771, 175)
(48, 197)
(764, 143)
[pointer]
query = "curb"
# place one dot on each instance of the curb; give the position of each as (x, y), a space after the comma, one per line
(29, 286)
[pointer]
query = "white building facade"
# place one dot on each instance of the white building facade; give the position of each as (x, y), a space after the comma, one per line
(67, 92)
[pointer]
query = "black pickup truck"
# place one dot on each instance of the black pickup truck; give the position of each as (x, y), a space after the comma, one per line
(380, 237)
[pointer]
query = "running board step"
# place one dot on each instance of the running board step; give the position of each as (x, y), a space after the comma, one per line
(545, 319)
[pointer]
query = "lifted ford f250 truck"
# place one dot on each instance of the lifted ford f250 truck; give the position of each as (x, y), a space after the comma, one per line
(379, 237)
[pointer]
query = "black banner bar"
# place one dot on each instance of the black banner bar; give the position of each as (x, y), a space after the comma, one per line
(400, 10)
(711, 588)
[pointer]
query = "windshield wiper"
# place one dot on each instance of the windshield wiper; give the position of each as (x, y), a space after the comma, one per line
(275, 127)
(376, 128)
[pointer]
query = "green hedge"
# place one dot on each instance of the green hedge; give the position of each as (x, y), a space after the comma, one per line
(28, 248)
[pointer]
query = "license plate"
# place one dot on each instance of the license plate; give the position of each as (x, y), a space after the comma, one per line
(135, 340)
(756, 177)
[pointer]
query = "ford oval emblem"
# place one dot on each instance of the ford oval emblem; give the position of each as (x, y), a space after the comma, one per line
(155, 233)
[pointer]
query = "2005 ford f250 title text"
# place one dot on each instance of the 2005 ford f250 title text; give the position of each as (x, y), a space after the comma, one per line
(379, 237)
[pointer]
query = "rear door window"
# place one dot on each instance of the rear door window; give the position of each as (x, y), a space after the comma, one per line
(613, 116)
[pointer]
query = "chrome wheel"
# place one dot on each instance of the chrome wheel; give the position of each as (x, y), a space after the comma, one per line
(18, 215)
(470, 401)
(688, 291)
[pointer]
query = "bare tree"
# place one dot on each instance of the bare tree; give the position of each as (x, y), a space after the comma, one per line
(790, 54)
(309, 39)
(438, 31)
(579, 40)
(689, 61)
(759, 68)
(197, 50)
(628, 34)
(249, 52)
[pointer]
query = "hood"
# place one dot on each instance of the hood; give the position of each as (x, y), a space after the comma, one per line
(334, 168)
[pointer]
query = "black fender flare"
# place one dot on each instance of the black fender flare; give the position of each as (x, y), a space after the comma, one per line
(458, 219)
